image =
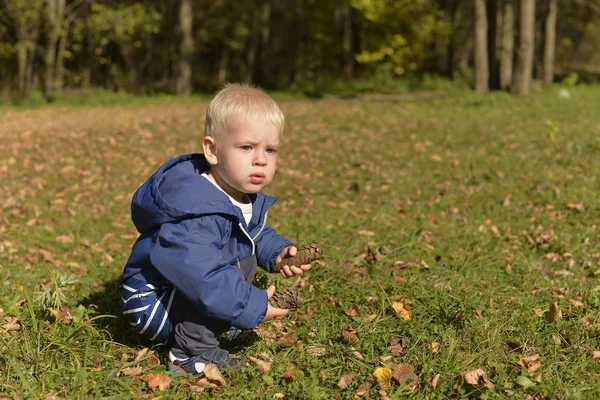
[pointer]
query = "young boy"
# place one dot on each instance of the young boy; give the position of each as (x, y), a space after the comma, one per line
(202, 223)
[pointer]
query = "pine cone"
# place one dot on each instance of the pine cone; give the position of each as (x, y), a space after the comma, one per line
(305, 255)
(289, 299)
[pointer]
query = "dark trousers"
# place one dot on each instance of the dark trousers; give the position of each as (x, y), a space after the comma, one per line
(194, 334)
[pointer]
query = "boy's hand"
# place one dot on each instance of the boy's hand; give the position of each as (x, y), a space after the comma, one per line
(286, 270)
(273, 312)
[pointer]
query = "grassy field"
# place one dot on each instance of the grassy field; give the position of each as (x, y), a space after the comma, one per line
(461, 235)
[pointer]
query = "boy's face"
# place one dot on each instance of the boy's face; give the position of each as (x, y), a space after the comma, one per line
(244, 159)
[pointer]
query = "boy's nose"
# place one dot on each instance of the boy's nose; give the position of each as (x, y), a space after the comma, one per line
(260, 158)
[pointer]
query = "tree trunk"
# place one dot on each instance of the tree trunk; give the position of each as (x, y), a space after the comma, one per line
(508, 44)
(265, 37)
(523, 72)
(492, 18)
(186, 49)
(347, 42)
(481, 50)
(55, 13)
(223, 65)
(549, 42)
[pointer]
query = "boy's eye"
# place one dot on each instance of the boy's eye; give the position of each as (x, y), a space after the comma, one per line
(272, 151)
(246, 147)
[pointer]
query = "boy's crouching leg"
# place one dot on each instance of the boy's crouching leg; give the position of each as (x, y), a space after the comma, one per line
(196, 344)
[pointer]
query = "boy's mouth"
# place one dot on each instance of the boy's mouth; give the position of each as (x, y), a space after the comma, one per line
(257, 177)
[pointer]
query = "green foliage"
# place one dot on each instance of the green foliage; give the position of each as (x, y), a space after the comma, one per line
(400, 32)
(123, 24)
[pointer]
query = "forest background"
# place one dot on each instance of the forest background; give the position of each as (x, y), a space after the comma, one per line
(330, 46)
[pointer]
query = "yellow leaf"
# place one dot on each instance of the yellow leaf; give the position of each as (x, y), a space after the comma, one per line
(402, 310)
(383, 376)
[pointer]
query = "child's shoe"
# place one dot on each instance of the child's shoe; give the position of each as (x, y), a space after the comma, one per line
(195, 365)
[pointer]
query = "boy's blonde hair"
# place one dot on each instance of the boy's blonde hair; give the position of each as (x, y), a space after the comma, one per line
(240, 100)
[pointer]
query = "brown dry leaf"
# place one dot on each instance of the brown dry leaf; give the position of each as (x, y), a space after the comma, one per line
(213, 375)
(316, 351)
(383, 376)
(352, 312)
(402, 310)
(576, 302)
(65, 239)
(476, 376)
(366, 233)
(596, 355)
(264, 366)
(435, 347)
(397, 346)
(157, 381)
(362, 389)
(289, 374)
(404, 374)
(345, 380)
(141, 354)
(279, 396)
(473, 376)
(532, 363)
(350, 335)
(352, 351)
(288, 340)
(193, 386)
(576, 206)
(553, 314)
(130, 371)
(434, 381)
(384, 395)
(12, 324)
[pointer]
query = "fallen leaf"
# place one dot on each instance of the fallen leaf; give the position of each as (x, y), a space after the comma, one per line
(288, 340)
(384, 395)
(352, 351)
(264, 366)
(434, 381)
(532, 363)
(130, 371)
(553, 314)
(404, 374)
(289, 374)
(576, 303)
(366, 233)
(402, 310)
(141, 353)
(596, 355)
(157, 381)
(475, 377)
(279, 396)
(576, 206)
(352, 312)
(350, 335)
(316, 351)
(513, 347)
(346, 380)
(362, 389)
(12, 324)
(435, 347)
(397, 346)
(213, 375)
(383, 376)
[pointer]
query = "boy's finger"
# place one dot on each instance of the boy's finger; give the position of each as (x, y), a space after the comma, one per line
(270, 291)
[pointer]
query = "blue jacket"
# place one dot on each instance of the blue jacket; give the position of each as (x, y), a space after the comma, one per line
(193, 239)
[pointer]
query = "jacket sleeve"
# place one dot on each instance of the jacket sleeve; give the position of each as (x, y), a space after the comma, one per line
(188, 255)
(268, 246)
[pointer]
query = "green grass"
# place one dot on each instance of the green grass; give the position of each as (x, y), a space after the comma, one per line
(478, 214)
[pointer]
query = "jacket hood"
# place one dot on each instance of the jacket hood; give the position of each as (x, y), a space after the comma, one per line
(177, 191)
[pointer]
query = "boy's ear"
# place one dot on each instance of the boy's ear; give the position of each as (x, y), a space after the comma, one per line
(210, 149)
